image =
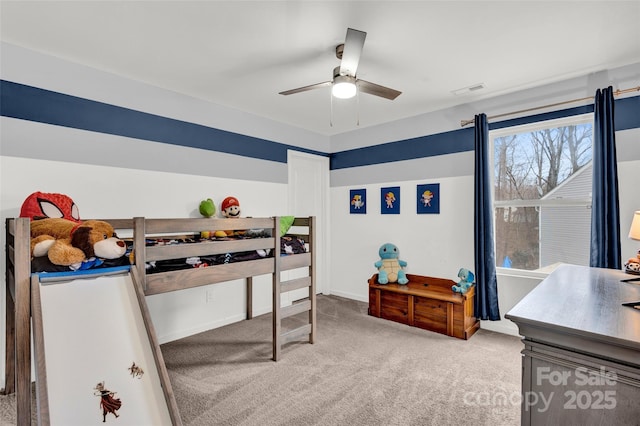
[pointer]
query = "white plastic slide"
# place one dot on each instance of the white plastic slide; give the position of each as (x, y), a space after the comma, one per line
(97, 354)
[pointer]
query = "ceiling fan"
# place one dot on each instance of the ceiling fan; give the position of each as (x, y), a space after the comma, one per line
(345, 84)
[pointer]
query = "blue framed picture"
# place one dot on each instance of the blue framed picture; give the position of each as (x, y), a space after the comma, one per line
(358, 201)
(390, 200)
(428, 198)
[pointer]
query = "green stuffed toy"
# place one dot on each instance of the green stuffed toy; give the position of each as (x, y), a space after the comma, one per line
(389, 266)
(285, 224)
(207, 208)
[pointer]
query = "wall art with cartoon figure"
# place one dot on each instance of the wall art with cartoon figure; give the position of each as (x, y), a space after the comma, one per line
(390, 200)
(428, 198)
(358, 201)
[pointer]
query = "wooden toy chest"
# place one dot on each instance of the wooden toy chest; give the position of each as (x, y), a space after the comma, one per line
(425, 302)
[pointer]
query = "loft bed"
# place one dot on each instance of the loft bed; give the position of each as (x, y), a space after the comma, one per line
(23, 287)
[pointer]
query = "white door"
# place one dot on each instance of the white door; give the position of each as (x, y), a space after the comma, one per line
(309, 196)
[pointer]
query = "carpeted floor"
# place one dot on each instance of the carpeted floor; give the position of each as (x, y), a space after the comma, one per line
(361, 371)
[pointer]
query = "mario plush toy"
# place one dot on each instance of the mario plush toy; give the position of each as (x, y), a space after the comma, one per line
(230, 208)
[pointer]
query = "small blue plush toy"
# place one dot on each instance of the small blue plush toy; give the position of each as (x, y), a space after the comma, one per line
(466, 281)
(389, 266)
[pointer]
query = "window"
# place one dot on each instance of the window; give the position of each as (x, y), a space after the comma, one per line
(542, 193)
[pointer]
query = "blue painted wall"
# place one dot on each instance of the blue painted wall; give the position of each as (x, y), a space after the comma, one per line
(44, 106)
(627, 116)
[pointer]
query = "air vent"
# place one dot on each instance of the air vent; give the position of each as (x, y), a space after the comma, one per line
(468, 89)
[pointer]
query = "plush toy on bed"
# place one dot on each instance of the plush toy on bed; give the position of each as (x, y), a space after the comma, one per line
(466, 281)
(230, 209)
(69, 243)
(390, 266)
(40, 205)
(207, 208)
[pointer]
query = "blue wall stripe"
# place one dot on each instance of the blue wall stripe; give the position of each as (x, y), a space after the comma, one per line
(627, 116)
(627, 113)
(423, 146)
(45, 106)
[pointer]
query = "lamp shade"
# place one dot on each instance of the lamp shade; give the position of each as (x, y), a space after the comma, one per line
(634, 232)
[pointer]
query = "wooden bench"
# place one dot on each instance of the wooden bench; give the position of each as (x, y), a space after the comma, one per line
(425, 302)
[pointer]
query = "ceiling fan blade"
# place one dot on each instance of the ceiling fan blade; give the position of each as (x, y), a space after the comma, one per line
(305, 88)
(377, 90)
(353, 44)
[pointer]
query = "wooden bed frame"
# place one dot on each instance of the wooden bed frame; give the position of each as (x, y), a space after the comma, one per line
(22, 295)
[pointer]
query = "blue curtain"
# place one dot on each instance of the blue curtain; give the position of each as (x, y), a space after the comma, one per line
(605, 214)
(485, 262)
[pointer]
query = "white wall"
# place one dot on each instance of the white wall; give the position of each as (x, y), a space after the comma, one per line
(112, 192)
(438, 245)
(110, 176)
(432, 244)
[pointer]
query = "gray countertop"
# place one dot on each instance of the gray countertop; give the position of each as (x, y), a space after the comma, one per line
(582, 302)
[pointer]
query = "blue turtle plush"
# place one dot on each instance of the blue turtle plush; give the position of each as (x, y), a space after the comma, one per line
(466, 281)
(390, 266)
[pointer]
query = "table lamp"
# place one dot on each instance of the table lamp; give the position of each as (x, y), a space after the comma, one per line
(632, 266)
(634, 232)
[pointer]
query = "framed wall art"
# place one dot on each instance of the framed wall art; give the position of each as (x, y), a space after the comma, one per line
(358, 201)
(428, 198)
(390, 200)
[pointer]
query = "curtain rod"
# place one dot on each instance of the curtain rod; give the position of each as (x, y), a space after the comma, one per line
(616, 93)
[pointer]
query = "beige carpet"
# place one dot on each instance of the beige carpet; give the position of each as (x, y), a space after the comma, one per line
(361, 371)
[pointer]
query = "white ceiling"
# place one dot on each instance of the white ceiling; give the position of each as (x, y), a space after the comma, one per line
(242, 53)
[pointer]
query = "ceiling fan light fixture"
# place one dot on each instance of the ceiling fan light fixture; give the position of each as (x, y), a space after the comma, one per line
(344, 87)
(344, 83)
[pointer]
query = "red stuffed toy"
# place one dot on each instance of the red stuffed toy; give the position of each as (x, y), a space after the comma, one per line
(41, 205)
(230, 207)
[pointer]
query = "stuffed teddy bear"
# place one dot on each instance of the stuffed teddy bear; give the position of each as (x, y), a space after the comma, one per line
(466, 281)
(632, 266)
(390, 266)
(67, 243)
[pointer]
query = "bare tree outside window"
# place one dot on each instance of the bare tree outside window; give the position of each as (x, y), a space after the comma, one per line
(533, 170)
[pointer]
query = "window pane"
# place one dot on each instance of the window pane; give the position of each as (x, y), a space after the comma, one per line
(529, 165)
(517, 230)
(565, 235)
(542, 180)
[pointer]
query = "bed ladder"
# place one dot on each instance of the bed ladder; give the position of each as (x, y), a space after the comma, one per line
(283, 336)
